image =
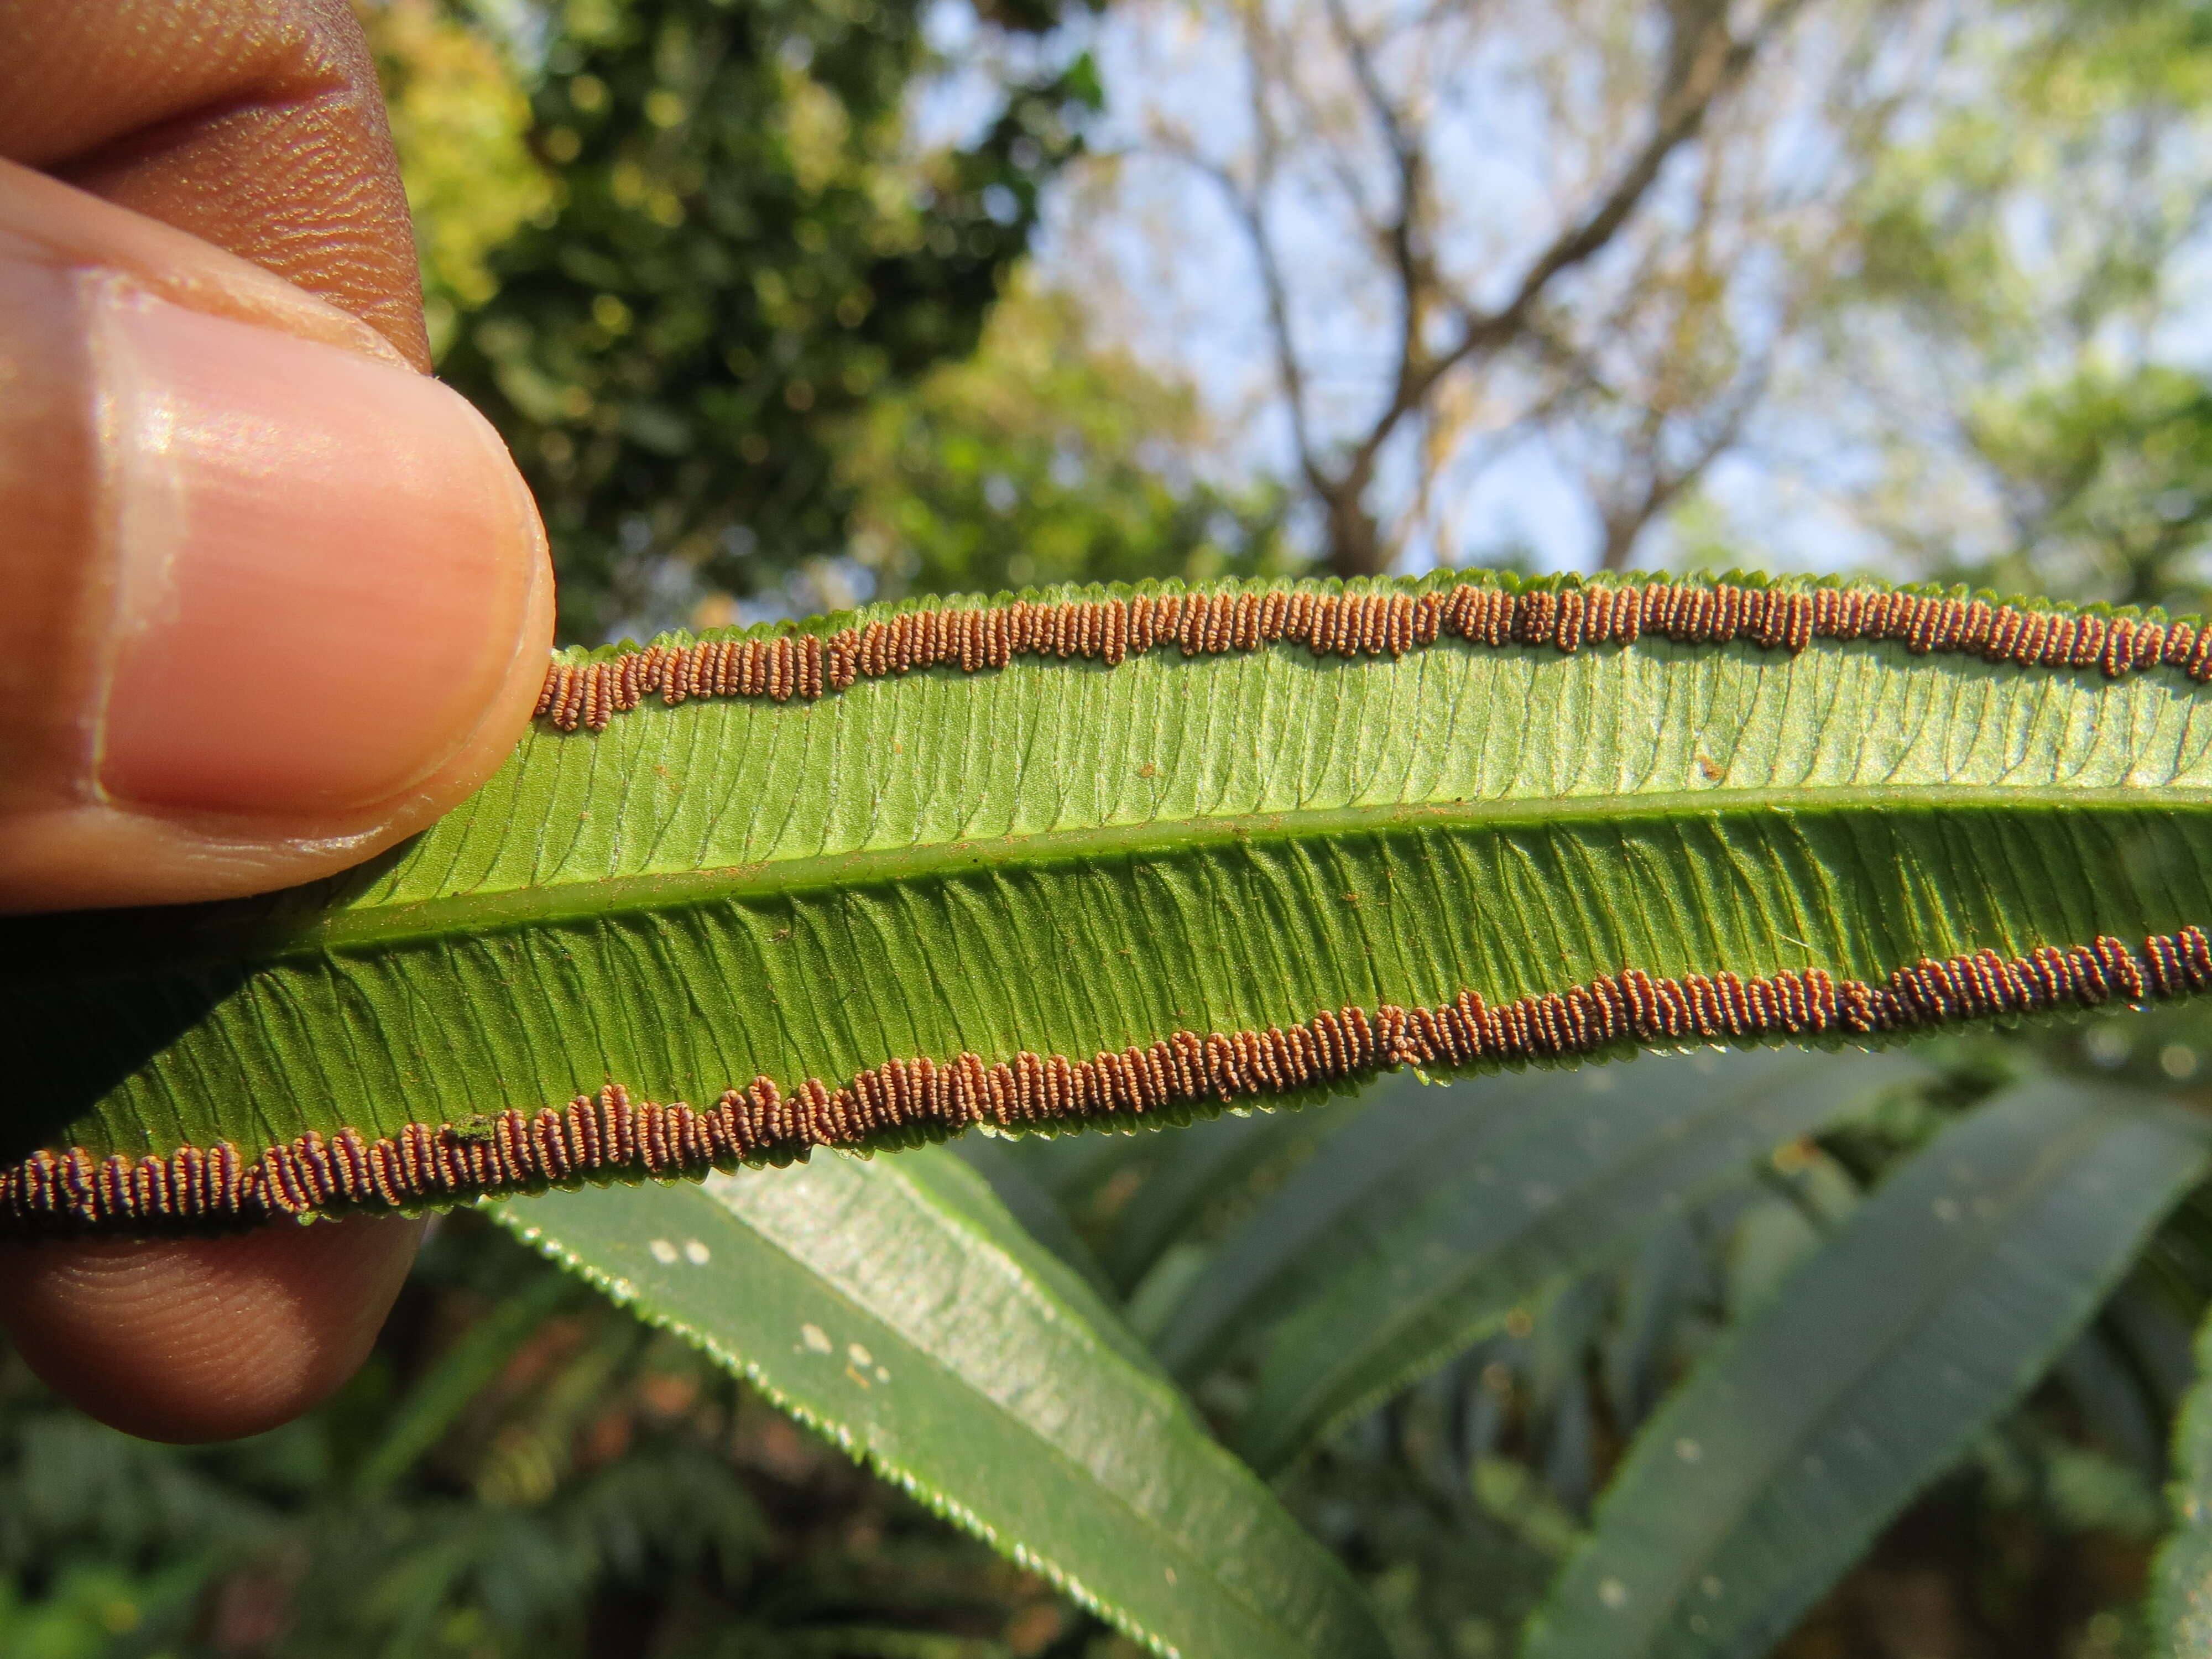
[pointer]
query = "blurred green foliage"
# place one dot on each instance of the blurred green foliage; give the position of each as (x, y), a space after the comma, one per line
(2113, 471)
(746, 336)
(460, 120)
(520, 1469)
(741, 247)
(2034, 242)
(1047, 458)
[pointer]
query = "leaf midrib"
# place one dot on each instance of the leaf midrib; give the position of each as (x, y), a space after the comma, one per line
(252, 935)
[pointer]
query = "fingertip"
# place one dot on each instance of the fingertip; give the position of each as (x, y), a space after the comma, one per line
(193, 1340)
(288, 603)
(323, 569)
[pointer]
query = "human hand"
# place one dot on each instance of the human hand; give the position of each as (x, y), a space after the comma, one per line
(275, 599)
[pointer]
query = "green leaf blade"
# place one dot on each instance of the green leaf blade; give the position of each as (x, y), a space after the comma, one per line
(1204, 1159)
(1066, 859)
(1930, 1310)
(892, 1305)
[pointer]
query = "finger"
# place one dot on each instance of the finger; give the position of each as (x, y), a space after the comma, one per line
(196, 1339)
(273, 602)
(205, 471)
(236, 548)
(255, 126)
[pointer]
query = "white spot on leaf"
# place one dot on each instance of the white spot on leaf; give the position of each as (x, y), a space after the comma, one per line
(663, 1252)
(815, 1338)
(696, 1254)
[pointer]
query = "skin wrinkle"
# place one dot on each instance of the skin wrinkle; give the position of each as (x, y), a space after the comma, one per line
(255, 127)
(107, 1314)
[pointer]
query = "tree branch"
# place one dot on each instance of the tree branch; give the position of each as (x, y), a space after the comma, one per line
(1700, 78)
(1401, 236)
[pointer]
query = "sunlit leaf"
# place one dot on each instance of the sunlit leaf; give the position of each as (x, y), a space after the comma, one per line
(1140, 869)
(894, 1306)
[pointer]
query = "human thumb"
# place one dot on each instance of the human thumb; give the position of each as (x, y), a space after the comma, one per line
(275, 599)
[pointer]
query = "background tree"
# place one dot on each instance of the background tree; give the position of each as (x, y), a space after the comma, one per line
(461, 118)
(2010, 386)
(1049, 457)
(1463, 231)
(740, 247)
(737, 352)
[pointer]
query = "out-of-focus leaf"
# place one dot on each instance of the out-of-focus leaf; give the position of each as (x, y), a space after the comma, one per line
(460, 1374)
(2157, 1341)
(2112, 1403)
(1555, 1186)
(1072, 1167)
(1355, 1185)
(1670, 1267)
(1561, 1385)
(2181, 1591)
(1928, 1312)
(1194, 1163)
(893, 1305)
(1510, 1494)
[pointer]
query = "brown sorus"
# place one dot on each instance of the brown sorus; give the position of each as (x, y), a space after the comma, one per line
(608, 1133)
(586, 697)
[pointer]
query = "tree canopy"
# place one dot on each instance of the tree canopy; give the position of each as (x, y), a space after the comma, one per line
(732, 246)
